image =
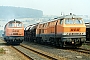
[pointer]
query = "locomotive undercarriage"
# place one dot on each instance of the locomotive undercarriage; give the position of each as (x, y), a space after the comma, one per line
(62, 41)
(14, 39)
(72, 42)
(57, 40)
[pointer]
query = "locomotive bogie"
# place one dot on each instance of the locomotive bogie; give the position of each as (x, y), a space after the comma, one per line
(14, 40)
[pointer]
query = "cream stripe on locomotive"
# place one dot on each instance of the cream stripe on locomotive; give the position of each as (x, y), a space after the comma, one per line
(73, 33)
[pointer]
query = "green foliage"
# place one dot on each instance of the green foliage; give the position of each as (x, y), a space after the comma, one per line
(2, 50)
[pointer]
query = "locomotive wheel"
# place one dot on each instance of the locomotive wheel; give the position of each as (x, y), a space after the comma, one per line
(38, 40)
(51, 41)
(61, 44)
(41, 41)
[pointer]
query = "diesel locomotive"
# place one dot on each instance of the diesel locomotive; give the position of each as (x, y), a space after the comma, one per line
(14, 32)
(63, 31)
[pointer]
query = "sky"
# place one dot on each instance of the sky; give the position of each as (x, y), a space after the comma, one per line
(52, 7)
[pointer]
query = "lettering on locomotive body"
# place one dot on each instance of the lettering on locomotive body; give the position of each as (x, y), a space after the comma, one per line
(15, 33)
(15, 30)
(74, 29)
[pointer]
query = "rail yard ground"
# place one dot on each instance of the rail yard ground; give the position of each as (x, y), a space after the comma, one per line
(65, 53)
(8, 53)
(85, 46)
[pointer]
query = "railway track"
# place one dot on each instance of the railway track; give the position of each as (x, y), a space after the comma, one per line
(87, 43)
(81, 50)
(34, 54)
(23, 54)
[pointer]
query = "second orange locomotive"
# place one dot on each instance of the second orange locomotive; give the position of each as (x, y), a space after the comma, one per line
(68, 30)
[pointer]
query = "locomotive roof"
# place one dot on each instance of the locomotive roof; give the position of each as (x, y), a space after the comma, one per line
(69, 16)
(63, 17)
(14, 21)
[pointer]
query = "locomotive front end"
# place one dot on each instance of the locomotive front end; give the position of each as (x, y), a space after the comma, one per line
(74, 31)
(14, 32)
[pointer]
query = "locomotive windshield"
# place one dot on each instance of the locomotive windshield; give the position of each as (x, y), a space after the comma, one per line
(78, 21)
(18, 25)
(68, 21)
(75, 21)
(11, 24)
(15, 24)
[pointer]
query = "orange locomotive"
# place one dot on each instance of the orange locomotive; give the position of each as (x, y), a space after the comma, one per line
(14, 32)
(64, 31)
(68, 30)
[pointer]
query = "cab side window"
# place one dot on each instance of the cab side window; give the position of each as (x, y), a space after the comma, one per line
(61, 21)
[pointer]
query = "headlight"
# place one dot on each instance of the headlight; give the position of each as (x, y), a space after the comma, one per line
(83, 33)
